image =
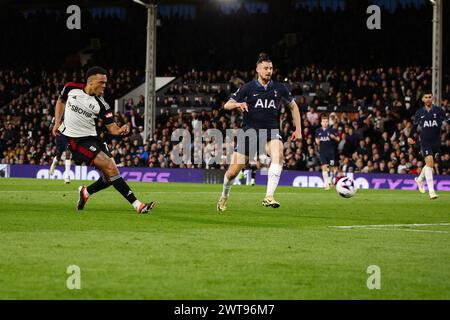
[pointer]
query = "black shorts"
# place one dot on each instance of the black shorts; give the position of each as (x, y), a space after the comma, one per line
(430, 149)
(255, 141)
(85, 149)
(327, 158)
(62, 144)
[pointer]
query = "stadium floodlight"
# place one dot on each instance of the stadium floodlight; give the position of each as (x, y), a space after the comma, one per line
(150, 68)
(437, 50)
(142, 3)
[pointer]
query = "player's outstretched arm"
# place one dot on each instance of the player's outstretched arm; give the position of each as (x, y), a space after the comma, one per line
(236, 100)
(115, 130)
(231, 104)
(59, 111)
(297, 120)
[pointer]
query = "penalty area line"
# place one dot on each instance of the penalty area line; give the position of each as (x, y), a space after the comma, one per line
(395, 227)
(408, 230)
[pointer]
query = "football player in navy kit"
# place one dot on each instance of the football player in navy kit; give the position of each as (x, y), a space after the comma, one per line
(82, 106)
(326, 139)
(430, 119)
(259, 100)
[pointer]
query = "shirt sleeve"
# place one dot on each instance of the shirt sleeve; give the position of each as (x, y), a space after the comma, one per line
(65, 93)
(287, 96)
(415, 123)
(240, 94)
(334, 132)
(105, 111)
(317, 133)
(67, 88)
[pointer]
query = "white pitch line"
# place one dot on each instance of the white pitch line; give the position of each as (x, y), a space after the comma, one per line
(392, 225)
(408, 230)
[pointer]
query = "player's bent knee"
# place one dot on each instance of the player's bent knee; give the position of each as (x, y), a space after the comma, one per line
(278, 158)
(108, 168)
(231, 174)
(429, 161)
(112, 169)
(233, 171)
(276, 151)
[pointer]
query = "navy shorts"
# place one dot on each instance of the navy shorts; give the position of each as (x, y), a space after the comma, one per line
(84, 150)
(327, 158)
(430, 149)
(62, 143)
(255, 141)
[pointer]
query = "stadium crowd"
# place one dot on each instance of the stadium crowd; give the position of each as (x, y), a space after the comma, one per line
(372, 139)
(372, 134)
(25, 120)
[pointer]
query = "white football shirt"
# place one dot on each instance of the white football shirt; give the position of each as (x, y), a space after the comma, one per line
(81, 111)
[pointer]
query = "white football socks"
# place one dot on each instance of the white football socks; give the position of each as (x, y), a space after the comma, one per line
(53, 166)
(136, 204)
(227, 183)
(67, 169)
(273, 178)
(429, 177)
(422, 174)
(325, 178)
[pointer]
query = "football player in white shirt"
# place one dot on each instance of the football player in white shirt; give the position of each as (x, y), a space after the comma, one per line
(82, 105)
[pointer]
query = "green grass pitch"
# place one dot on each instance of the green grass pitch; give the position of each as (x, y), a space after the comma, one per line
(186, 250)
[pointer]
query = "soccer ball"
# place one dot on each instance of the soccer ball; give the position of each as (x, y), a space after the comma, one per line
(346, 187)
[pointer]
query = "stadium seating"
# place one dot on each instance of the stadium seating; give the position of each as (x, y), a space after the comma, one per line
(371, 109)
